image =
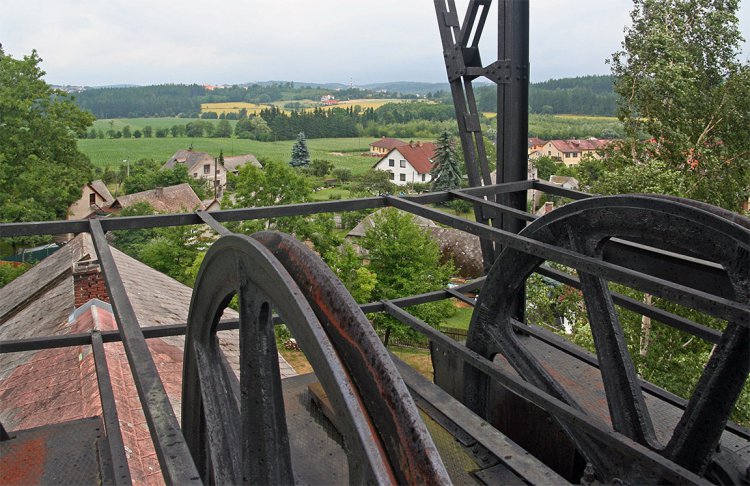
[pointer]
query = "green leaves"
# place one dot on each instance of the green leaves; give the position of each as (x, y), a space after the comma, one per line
(446, 168)
(679, 81)
(41, 168)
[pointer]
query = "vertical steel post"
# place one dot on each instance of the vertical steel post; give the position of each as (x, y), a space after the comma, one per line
(511, 73)
(513, 105)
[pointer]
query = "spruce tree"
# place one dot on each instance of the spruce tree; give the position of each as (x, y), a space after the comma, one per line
(446, 171)
(300, 153)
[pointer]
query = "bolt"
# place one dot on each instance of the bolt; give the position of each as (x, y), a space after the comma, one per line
(589, 476)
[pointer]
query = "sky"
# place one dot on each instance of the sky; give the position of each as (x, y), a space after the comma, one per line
(105, 42)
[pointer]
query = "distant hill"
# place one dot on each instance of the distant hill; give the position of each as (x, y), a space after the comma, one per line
(408, 87)
(586, 95)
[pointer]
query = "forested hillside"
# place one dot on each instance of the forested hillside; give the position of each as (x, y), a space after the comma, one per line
(586, 95)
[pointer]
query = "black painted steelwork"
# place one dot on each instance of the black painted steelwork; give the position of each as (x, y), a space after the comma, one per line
(120, 470)
(510, 72)
(586, 226)
(248, 443)
(234, 430)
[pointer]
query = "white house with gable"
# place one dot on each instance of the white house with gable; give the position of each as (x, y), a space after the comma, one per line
(408, 163)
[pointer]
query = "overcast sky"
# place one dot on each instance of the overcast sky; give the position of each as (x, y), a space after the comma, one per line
(101, 42)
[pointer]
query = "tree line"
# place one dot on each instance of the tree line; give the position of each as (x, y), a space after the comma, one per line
(585, 95)
(185, 100)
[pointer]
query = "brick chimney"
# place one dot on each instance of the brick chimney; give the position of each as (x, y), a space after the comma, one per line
(88, 282)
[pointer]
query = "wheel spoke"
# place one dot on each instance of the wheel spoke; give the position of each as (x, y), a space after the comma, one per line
(265, 443)
(700, 428)
(627, 408)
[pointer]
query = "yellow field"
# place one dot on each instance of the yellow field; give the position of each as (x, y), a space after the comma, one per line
(232, 107)
(588, 117)
(253, 108)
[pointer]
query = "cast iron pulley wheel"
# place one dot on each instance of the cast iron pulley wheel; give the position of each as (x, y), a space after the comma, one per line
(236, 431)
(685, 227)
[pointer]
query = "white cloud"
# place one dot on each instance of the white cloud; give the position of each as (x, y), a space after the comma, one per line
(142, 42)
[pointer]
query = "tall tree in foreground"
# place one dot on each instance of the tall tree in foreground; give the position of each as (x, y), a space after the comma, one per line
(446, 169)
(680, 84)
(300, 153)
(41, 169)
(406, 261)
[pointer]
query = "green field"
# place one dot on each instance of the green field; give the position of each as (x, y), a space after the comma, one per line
(138, 123)
(342, 152)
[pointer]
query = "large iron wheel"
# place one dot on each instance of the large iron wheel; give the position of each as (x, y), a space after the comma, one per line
(585, 227)
(237, 431)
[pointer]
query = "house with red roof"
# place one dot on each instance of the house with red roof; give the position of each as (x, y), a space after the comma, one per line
(571, 152)
(384, 145)
(408, 163)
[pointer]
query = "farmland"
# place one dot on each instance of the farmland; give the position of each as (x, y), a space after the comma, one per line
(342, 152)
(232, 107)
(307, 105)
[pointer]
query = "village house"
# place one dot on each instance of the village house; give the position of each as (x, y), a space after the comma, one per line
(571, 152)
(535, 144)
(233, 164)
(384, 145)
(173, 199)
(409, 163)
(95, 197)
(200, 165)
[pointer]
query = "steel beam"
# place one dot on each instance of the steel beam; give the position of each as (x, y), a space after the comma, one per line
(174, 457)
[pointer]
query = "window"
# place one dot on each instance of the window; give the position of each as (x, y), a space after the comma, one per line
(402, 177)
(92, 199)
(549, 152)
(423, 177)
(207, 169)
(575, 154)
(391, 163)
(393, 176)
(567, 155)
(195, 174)
(402, 163)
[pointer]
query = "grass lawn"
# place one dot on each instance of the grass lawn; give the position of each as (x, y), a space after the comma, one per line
(342, 152)
(419, 359)
(336, 192)
(462, 318)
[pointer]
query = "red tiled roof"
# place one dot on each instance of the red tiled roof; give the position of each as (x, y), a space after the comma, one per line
(58, 385)
(387, 143)
(579, 145)
(533, 141)
(418, 155)
(173, 199)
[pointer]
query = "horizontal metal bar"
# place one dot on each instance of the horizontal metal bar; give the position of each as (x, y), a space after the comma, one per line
(705, 302)
(671, 320)
(84, 339)
(43, 228)
(493, 208)
(668, 470)
(556, 190)
(503, 188)
(181, 219)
